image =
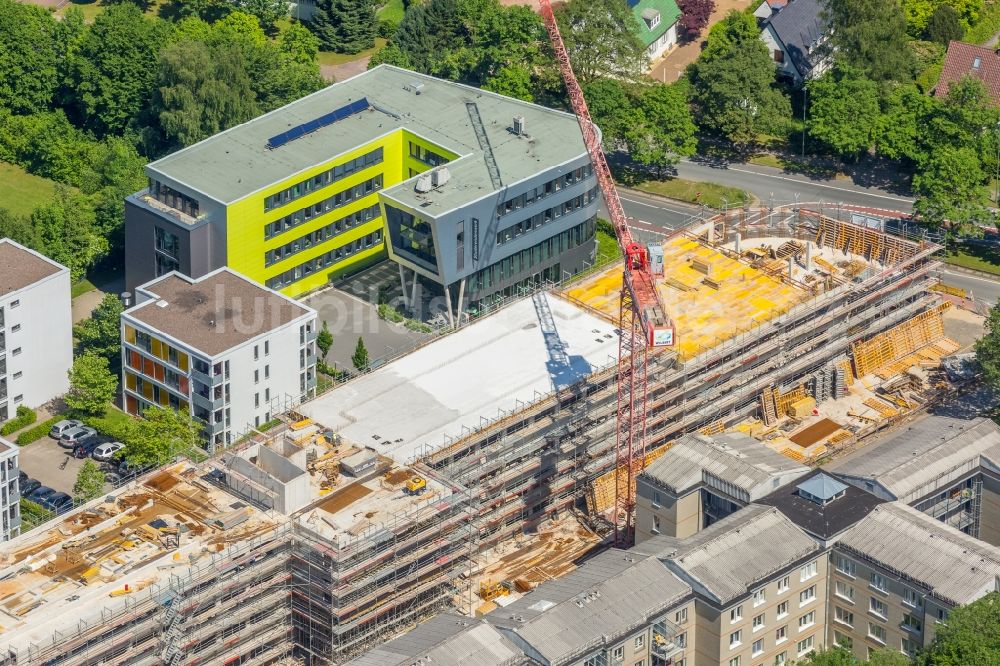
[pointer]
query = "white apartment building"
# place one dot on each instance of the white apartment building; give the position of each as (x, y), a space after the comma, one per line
(10, 492)
(231, 352)
(36, 328)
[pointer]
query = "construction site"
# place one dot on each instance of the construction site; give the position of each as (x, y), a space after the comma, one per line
(482, 464)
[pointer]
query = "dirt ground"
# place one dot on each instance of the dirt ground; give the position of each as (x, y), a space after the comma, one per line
(346, 70)
(670, 67)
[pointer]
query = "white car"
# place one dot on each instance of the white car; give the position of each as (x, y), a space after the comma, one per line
(105, 451)
(58, 429)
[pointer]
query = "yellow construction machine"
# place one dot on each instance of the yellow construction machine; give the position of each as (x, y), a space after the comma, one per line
(415, 486)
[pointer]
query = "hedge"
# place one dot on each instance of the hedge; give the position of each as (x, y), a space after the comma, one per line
(25, 417)
(39, 431)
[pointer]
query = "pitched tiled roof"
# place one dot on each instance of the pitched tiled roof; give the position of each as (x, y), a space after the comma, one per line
(961, 61)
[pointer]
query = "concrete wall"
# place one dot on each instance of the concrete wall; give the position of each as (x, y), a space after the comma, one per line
(717, 628)
(38, 325)
(287, 479)
(200, 243)
(989, 519)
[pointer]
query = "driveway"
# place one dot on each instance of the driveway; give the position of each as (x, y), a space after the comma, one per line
(42, 460)
(672, 65)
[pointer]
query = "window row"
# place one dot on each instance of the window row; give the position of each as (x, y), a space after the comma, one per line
(426, 155)
(541, 219)
(324, 233)
(324, 260)
(157, 348)
(153, 393)
(173, 198)
(321, 180)
(339, 199)
(506, 269)
(161, 373)
(542, 191)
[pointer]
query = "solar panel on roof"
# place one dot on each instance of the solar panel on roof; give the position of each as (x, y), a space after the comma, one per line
(336, 115)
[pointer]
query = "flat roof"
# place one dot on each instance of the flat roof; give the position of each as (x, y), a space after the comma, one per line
(71, 569)
(216, 312)
(732, 458)
(21, 267)
(480, 372)
(237, 162)
(822, 520)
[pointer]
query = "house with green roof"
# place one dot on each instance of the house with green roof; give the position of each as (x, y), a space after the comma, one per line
(657, 24)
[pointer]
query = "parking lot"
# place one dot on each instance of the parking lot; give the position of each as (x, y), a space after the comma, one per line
(42, 460)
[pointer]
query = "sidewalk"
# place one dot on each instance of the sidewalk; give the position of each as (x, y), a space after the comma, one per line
(670, 68)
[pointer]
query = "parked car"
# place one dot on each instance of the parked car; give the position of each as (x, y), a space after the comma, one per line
(78, 435)
(40, 493)
(57, 502)
(86, 447)
(106, 451)
(116, 472)
(67, 424)
(28, 486)
(22, 477)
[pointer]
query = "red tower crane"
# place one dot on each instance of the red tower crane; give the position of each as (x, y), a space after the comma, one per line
(643, 319)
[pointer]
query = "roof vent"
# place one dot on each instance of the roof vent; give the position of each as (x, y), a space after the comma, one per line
(440, 176)
(161, 303)
(424, 183)
(519, 126)
(414, 87)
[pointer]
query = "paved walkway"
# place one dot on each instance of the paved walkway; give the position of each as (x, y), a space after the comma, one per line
(84, 304)
(674, 63)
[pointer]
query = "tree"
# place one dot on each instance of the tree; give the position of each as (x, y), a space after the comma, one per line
(298, 44)
(101, 333)
(900, 132)
(427, 31)
(971, 634)
(843, 656)
(89, 482)
(344, 26)
(159, 437)
(201, 91)
(951, 192)
(920, 13)
(111, 71)
(695, 15)
(28, 57)
(324, 340)
(944, 25)
(601, 38)
(870, 36)
(663, 130)
(844, 113)
(92, 387)
(888, 657)
(611, 108)
(512, 81)
(268, 12)
(66, 231)
(733, 83)
(360, 357)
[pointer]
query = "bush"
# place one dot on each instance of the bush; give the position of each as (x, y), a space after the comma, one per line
(386, 28)
(33, 515)
(39, 431)
(25, 417)
(389, 313)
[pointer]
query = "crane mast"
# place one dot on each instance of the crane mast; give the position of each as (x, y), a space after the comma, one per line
(643, 321)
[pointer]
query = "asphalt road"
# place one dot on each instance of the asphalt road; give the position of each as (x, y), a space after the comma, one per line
(767, 184)
(982, 289)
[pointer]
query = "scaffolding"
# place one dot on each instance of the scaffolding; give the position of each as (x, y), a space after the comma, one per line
(898, 342)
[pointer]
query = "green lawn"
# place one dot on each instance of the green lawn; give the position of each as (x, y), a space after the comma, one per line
(21, 192)
(984, 258)
(331, 58)
(607, 248)
(82, 287)
(713, 195)
(392, 10)
(109, 423)
(90, 8)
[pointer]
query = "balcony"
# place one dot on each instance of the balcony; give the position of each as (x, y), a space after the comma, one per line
(207, 380)
(208, 402)
(665, 645)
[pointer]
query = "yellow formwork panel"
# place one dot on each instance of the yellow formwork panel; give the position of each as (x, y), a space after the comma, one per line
(703, 315)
